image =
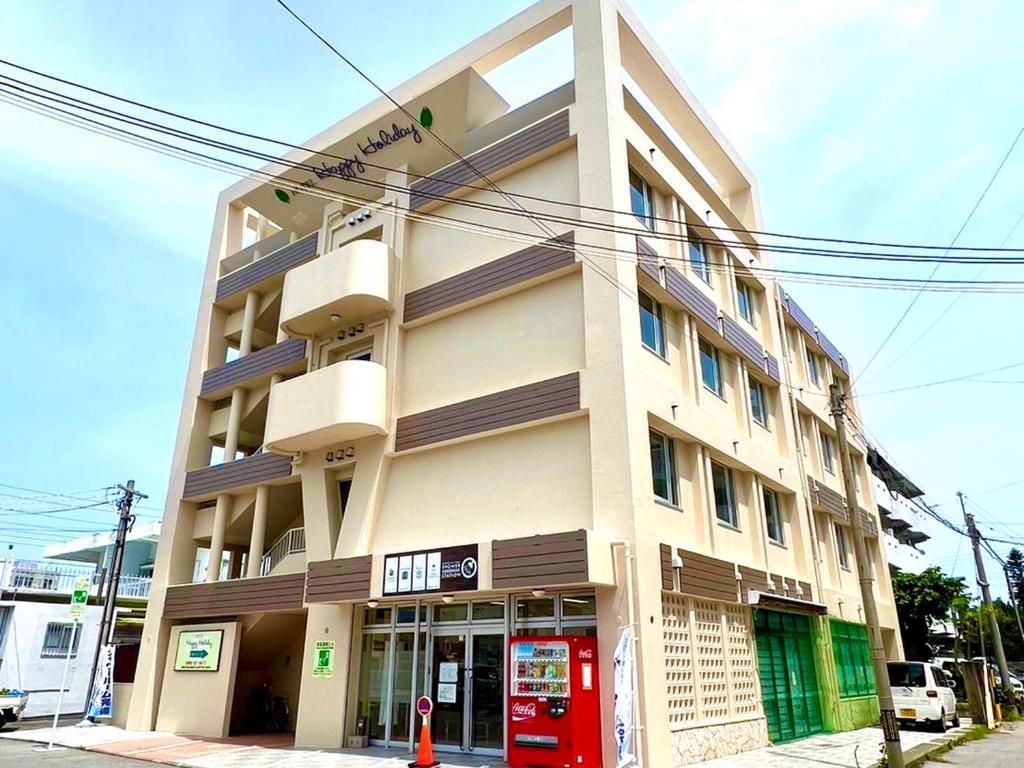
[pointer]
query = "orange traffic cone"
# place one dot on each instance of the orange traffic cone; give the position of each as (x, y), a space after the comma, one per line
(425, 754)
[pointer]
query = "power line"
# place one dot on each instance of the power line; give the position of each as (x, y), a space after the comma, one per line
(94, 108)
(848, 280)
(935, 269)
(575, 205)
(966, 377)
(1001, 487)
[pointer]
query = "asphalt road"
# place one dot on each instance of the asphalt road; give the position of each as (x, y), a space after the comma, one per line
(28, 755)
(1004, 748)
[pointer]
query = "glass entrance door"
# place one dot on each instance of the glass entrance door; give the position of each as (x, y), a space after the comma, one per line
(448, 665)
(486, 701)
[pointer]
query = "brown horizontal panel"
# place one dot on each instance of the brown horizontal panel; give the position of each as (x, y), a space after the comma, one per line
(262, 467)
(259, 595)
(541, 558)
(744, 343)
(510, 407)
(518, 267)
(263, 362)
(542, 539)
(546, 544)
(502, 154)
(710, 592)
(361, 564)
(647, 259)
(691, 298)
(485, 414)
(772, 366)
(266, 267)
(558, 558)
(806, 590)
(537, 579)
(340, 579)
(563, 566)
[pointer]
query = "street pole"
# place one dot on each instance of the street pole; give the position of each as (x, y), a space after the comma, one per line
(986, 594)
(124, 524)
(887, 710)
(63, 682)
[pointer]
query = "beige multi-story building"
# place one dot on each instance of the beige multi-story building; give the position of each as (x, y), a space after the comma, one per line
(419, 420)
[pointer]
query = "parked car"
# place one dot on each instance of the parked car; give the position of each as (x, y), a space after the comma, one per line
(922, 694)
(12, 704)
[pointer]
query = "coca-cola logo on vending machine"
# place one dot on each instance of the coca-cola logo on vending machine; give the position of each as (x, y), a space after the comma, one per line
(521, 712)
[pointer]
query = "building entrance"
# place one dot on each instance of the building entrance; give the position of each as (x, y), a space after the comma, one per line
(468, 684)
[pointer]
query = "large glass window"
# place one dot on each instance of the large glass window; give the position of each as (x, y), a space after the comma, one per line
(641, 199)
(773, 516)
(710, 367)
(745, 301)
(725, 495)
(652, 326)
(572, 614)
(699, 256)
(812, 369)
(841, 548)
(535, 608)
(374, 683)
(826, 453)
(663, 467)
(758, 403)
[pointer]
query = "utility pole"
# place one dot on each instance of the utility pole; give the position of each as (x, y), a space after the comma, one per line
(124, 524)
(986, 594)
(890, 726)
(1013, 600)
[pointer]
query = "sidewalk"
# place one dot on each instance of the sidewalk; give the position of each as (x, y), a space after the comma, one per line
(852, 749)
(263, 751)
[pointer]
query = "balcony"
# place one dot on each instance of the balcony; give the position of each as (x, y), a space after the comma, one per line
(348, 284)
(41, 578)
(344, 401)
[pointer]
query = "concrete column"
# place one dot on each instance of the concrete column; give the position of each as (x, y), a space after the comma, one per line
(220, 522)
(257, 539)
(252, 302)
(234, 424)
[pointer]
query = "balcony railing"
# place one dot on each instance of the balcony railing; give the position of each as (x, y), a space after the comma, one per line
(291, 542)
(30, 576)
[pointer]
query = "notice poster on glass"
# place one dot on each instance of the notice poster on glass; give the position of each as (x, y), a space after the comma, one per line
(447, 693)
(434, 570)
(419, 572)
(390, 575)
(448, 672)
(405, 573)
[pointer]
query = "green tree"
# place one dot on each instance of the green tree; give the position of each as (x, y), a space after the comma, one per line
(1015, 572)
(922, 599)
(1009, 631)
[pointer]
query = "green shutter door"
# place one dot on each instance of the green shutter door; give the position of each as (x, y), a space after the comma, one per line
(789, 682)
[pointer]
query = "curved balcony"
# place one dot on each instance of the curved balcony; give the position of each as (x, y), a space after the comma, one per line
(344, 401)
(351, 282)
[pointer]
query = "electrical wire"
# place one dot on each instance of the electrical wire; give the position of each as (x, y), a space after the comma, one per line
(967, 377)
(935, 269)
(847, 280)
(738, 231)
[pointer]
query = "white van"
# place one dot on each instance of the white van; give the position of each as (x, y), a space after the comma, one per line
(921, 693)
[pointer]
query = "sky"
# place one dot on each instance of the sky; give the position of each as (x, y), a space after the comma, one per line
(875, 120)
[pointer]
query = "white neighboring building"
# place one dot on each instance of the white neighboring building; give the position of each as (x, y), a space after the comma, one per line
(35, 627)
(904, 525)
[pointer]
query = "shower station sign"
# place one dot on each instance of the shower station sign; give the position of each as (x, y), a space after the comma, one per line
(451, 569)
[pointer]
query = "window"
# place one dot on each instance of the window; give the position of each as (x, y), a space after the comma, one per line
(663, 467)
(699, 259)
(758, 403)
(725, 496)
(361, 354)
(641, 199)
(826, 454)
(812, 369)
(773, 516)
(58, 638)
(904, 674)
(652, 326)
(710, 367)
(844, 554)
(745, 301)
(852, 654)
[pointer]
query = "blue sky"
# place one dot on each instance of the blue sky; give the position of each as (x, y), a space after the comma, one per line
(872, 120)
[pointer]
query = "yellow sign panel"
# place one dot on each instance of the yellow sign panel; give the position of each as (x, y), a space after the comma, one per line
(199, 651)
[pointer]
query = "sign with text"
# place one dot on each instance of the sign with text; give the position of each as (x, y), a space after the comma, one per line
(450, 569)
(323, 664)
(199, 651)
(79, 598)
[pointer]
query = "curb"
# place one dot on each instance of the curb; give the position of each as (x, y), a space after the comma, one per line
(917, 756)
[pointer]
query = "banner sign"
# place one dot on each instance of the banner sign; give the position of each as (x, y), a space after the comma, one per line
(199, 651)
(102, 705)
(451, 569)
(323, 662)
(624, 693)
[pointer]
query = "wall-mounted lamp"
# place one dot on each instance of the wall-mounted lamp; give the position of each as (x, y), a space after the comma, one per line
(674, 406)
(372, 603)
(447, 598)
(335, 318)
(537, 592)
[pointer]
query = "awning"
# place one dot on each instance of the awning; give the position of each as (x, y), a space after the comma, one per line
(778, 602)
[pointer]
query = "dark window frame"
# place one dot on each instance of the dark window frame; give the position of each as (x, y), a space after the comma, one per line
(667, 448)
(641, 194)
(656, 313)
(715, 356)
(728, 485)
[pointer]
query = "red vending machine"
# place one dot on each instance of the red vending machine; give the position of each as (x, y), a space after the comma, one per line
(554, 703)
